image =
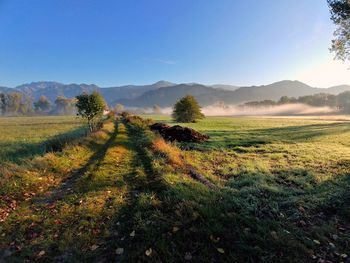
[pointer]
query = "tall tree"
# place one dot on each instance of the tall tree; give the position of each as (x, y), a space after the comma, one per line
(3, 103)
(26, 106)
(14, 102)
(64, 106)
(187, 109)
(90, 107)
(43, 104)
(340, 11)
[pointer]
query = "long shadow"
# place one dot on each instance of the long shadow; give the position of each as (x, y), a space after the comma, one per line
(18, 152)
(243, 219)
(290, 134)
(305, 132)
(140, 143)
(144, 180)
(66, 188)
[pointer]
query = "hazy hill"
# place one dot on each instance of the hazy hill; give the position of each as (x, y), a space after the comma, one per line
(131, 91)
(209, 95)
(224, 87)
(166, 96)
(337, 89)
(165, 93)
(53, 89)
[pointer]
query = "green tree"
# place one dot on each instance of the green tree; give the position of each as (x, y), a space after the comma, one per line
(187, 109)
(344, 102)
(90, 107)
(64, 106)
(3, 103)
(26, 105)
(340, 11)
(284, 100)
(43, 104)
(14, 102)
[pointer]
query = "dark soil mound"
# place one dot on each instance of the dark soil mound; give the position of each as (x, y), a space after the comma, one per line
(159, 127)
(178, 133)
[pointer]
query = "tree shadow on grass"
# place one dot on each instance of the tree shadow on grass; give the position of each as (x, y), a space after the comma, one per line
(253, 219)
(257, 137)
(92, 165)
(18, 151)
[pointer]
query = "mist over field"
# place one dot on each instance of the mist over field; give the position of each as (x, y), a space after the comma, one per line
(234, 110)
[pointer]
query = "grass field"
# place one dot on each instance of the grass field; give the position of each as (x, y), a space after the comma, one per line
(23, 137)
(279, 192)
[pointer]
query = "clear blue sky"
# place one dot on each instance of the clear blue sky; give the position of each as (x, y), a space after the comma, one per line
(142, 41)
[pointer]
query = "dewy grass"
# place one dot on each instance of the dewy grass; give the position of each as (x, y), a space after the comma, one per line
(282, 195)
(25, 137)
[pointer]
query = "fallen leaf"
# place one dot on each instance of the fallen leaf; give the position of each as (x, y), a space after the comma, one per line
(93, 247)
(221, 250)
(132, 234)
(41, 253)
(175, 229)
(317, 242)
(58, 222)
(274, 234)
(148, 252)
(119, 251)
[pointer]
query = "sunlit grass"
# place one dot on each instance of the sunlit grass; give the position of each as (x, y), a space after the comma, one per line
(281, 195)
(24, 137)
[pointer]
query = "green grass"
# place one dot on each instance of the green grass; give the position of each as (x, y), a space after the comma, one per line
(281, 195)
(24, 137)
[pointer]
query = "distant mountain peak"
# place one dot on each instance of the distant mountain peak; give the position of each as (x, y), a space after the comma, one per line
(163, 83)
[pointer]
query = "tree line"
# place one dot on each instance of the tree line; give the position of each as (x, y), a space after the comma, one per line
(16, 104)
(341, 102)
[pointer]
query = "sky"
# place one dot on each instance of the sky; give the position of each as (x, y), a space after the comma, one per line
(118, 42)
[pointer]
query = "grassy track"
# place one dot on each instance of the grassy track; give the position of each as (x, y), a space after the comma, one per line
(68, 222)
(123, 195)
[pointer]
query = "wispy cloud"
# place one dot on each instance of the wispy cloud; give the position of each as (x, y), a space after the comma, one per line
(159, 60)
(166, 61)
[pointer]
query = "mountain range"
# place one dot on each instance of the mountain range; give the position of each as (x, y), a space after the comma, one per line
(165, 94)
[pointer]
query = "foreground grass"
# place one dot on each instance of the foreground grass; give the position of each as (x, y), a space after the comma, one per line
(130, 199)
(24, 137)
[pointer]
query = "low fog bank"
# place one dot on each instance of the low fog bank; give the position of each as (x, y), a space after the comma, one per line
(285, 109)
